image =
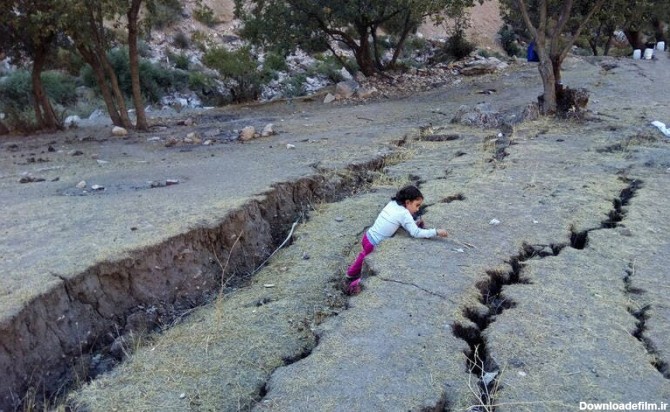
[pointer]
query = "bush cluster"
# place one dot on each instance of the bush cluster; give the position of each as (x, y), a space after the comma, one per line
(156, 81)
(240, 69)
(16, 95)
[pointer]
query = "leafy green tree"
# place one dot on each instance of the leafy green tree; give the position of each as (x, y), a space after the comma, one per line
(547, 22)
(29, 30)
(286, 24)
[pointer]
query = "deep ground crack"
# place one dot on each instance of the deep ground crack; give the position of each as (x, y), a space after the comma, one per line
(479, 362)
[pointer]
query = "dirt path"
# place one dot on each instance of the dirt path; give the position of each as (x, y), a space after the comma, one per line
(75, 277)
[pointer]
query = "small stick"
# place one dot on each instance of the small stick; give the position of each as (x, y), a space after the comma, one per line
(280, 246)
(223, 268)
(364, 118)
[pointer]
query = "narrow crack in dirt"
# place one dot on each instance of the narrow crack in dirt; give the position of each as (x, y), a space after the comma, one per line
(479, 362)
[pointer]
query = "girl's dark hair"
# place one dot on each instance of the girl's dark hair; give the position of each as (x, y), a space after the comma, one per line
(407, 193)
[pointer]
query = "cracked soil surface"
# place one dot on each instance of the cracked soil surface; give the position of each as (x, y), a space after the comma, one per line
(563, 301)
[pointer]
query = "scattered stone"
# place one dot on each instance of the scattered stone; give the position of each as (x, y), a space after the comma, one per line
(193, 138)
(182, 395)
(208, 142)
(77, 153)
(290, 146)
(366, 92)
(119, 131)
(154, 139)
(102, 162)
(154, 184)
(72, 121)
(305, 256)
(30, 179)
(345, 74)
(328, 99)
(247, 133)
(55, 179)
(269, 285)
(268, 130)
(479, 67)
(346, 89)
(171, 141)
(339, 219)
(97, 187)
(51, 149)
(494, 222)
(360, 77)
(186, 122)
(81, 185)
(170, 182)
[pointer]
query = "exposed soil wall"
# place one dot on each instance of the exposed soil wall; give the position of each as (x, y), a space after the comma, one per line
(51, 341)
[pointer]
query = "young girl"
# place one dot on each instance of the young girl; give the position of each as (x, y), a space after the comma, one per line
(398, 212)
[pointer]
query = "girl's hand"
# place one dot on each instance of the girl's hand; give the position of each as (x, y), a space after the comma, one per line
(442, 233)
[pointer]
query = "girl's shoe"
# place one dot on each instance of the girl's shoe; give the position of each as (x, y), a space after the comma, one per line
(352, 286)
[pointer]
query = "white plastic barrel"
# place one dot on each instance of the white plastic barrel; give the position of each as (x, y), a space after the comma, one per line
(648, 54)
(660, 45)
(637, 53)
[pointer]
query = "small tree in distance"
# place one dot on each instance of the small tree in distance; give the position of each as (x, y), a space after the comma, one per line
(548, 29)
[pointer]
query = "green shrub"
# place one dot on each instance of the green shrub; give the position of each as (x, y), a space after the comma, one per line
(155, 81)
(68, 60)
(508, 41)
(457, 46)
(16, 96)
(180, 60)
(205, 15)
(295, 86)
(240, 68)
(328, 66)
(275, 61)
(164, 13)
(181, 41)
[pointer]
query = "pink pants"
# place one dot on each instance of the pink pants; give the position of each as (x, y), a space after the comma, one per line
(354, 270)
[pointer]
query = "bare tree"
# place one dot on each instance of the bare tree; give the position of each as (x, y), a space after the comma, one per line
(552, 42)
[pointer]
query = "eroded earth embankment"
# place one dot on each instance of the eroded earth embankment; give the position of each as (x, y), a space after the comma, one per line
(548, 291)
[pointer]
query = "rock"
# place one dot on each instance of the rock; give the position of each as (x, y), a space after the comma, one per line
(185, 122)
(208, 142)
(360, 77)
(268, 130)
(247, 133)
(97, 113)
(97, 187)
(345, 74)
(494, 222)
(305, 256)
(366, 92)
(339, 219)
(482, 115)
(193, 138)
(346, 89)
(30, 179)
(290, 146)
(154, 139)
(119, 131)
(329, 98)
(101, 162)
(170, 182)
(76, 153)
(171, 141)
(479, 67)
(72, 121)
(81, 185)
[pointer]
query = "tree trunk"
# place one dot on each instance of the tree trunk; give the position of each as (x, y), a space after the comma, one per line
(44, 112)
(90, 58)
(608, 44)
(593, 43)
(133, 57)
(364, 58)
(3, 129)
(659, 31)
(548, 98)
(635, 39)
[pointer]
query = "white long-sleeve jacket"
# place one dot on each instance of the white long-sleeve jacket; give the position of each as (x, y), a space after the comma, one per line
(390, 219)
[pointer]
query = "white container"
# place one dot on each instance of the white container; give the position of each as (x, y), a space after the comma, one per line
(660, 45)
(637, 53)
(648, 54)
